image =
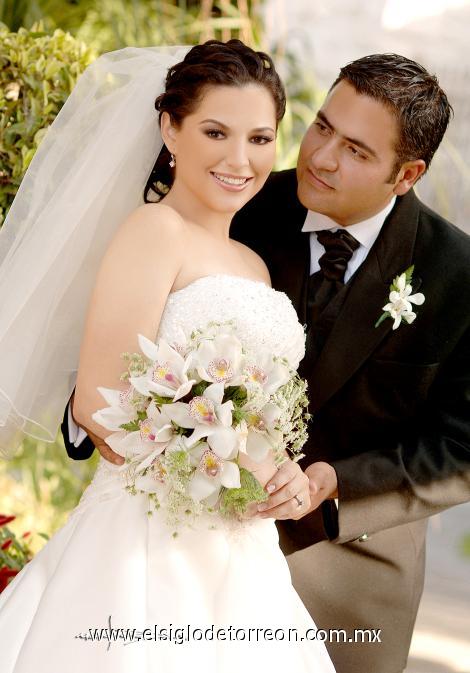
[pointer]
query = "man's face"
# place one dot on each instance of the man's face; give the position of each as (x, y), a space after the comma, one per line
(347, 156)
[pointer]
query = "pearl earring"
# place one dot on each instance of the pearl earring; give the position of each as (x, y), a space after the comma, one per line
(172, 161)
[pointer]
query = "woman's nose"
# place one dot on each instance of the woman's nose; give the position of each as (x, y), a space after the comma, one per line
(238, 154)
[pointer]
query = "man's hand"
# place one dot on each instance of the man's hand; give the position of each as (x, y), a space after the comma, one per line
(323, 484)
(105, 450)
(288, 482)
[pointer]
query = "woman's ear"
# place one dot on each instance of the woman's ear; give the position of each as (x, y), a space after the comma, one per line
(168, 132)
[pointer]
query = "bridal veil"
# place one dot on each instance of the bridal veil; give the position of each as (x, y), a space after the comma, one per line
(87, 175)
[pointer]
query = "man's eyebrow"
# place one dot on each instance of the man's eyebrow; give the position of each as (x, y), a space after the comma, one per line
(322, 116)
(217, 123)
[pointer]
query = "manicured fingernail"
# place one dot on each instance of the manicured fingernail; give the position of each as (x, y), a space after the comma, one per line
(270, 488)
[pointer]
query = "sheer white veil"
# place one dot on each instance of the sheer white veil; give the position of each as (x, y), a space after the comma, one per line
(88, 174)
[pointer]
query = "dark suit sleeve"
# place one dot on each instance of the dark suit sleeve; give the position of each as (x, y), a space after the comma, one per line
(81, 452)
(427, 472)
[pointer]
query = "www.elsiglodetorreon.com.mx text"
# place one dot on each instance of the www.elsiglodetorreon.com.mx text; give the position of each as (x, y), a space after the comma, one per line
(179, 635)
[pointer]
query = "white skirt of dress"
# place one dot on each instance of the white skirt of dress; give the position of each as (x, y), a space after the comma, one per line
(211, 600)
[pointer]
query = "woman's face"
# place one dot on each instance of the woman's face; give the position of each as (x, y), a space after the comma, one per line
(226, 148)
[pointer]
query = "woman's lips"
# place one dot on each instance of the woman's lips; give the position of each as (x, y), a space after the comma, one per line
(232, 183)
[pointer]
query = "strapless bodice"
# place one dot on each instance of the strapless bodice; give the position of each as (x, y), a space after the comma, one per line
(264, 318)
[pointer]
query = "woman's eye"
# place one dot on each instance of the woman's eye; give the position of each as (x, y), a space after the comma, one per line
(261, 140)
(214, 133)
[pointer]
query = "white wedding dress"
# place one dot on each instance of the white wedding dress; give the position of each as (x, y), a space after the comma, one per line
(112, 565)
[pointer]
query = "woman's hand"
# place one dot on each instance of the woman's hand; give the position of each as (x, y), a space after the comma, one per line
(289, 493)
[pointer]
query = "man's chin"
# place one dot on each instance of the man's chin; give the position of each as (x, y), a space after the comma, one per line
(314, 200)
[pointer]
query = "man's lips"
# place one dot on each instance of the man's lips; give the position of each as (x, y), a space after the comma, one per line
(318, 182)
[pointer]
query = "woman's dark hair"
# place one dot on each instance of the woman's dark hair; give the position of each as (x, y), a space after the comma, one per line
(411, 94)
(210, 64)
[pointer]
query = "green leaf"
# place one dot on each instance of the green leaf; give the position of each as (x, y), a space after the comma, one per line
(199, 388)
(383, 317)
(234, 501)
(159, 399)
(409, 273)
(133, 426)
(238, 395)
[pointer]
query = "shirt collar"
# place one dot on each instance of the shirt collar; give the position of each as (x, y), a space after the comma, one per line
(365, 232)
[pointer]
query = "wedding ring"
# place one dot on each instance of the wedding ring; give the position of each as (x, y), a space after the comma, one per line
(300, 502)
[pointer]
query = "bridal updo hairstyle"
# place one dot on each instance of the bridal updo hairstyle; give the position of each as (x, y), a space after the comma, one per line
(206, 65)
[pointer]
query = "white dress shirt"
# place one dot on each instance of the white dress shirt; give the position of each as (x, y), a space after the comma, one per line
(364, 232)
(76, 433)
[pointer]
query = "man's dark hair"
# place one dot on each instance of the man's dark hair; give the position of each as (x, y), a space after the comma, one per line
(411, 94)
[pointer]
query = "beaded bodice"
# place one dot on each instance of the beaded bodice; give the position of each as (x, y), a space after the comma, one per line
(264, 317)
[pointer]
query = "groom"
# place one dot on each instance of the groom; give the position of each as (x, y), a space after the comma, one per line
(389, 443)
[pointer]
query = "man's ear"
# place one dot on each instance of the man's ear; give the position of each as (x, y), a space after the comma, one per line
(168, 132)
(408, 174)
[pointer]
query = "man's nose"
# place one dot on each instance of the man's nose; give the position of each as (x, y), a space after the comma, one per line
(325, 157)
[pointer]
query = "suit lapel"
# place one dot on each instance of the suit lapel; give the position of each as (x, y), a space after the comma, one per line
(291, 270)
(354, 335)
(288, 250)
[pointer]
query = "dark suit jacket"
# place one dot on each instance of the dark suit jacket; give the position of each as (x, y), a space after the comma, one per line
(391, 407)
(391, 413)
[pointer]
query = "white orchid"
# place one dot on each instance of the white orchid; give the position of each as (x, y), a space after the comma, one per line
(259, 431)
(168, 375)
(220, 360)
(120, 410)
(268, 374)
(212, 472)
(400, 304)
(154, 434)
(209, 418)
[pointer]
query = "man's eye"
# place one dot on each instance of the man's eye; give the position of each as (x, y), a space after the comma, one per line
(261, 140)
(321, 128)
(355, 152)
(214, 133)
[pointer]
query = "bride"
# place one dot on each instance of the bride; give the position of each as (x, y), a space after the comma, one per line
(113, 590)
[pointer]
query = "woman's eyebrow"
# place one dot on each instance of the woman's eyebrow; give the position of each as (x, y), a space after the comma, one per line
(219, 123)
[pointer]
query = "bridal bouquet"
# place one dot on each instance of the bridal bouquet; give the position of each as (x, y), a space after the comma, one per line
(189, 413)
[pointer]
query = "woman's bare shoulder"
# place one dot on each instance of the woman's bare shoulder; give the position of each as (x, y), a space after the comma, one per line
(254, 261)
(154, 219)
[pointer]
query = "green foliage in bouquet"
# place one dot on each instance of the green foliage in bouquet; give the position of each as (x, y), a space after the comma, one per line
(37, 73)
(234, 501)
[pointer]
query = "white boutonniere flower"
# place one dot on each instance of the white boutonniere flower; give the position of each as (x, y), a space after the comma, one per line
(400, 300)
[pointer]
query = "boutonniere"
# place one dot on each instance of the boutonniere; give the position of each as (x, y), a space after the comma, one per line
(400, 300)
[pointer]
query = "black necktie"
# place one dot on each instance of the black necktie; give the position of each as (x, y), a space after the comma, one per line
(326, 283)
(324, 286)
